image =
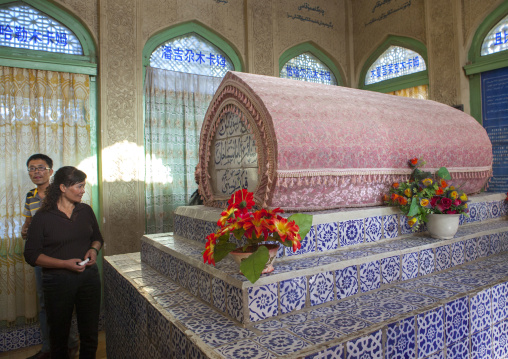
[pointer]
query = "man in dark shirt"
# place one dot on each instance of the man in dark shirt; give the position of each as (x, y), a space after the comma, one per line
(40, 169)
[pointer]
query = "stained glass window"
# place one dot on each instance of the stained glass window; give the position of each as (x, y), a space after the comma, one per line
(192, 54)
(497, 39)
(396, 61)
(22, 26)
(307, 67)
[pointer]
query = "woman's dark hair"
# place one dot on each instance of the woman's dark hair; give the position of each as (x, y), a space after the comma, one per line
(67, 176)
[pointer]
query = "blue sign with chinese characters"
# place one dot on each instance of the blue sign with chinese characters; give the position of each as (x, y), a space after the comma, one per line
(395, 68)
(34, 36)
(188, 55)
(306, 73)
(495, 121)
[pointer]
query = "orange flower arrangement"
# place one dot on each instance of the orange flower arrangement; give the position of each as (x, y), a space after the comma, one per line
(258, 227)
(424, 194)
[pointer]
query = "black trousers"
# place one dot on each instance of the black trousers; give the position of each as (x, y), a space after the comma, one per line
(64, 290)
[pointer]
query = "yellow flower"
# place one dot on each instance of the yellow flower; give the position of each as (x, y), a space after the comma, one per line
(427, 182)
(463, 197)
(424, 202)
(465, 205)
(408, 192)
(412, 222)
(454, 194)
(452, 188)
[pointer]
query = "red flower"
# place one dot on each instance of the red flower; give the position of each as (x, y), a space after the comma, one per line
(394, 197)
(413, 161)
(433, 201)
(402, 200)
(257, 224)
(443, 183)
(457, 202)
(242, 199)
(285, 229)
(209, 249)
(395, 185)
(439, 191)
(446, 202)
(451, 212)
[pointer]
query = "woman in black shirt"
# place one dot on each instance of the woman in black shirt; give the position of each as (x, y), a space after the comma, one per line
(64, 239)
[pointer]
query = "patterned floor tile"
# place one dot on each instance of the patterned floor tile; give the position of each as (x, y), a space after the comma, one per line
(281, 343)
(226, 335)
(416, 299)
(435, 292)
(294, 319)
(244, 349)
(203, 324)
(344, 323)
(269, 325)
(396, 306)
(370, 314)
(314, 332)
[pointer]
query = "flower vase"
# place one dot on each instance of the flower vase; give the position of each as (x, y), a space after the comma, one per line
(239, 255)
(443, 226)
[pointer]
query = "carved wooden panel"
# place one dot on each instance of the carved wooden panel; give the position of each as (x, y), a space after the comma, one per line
(86, 11)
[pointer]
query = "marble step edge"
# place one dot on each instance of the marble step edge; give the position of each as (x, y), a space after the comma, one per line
(313, 349)
(211, 214)
(484, 229)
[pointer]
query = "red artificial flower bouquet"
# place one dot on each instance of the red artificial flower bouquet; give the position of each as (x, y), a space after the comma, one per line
(257, 227)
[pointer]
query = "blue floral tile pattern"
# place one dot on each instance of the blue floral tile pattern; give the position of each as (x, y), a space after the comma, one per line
(336, 352)
(409, 266)
(281, 343)
(244, 349)
(370, 314)
(495, 243)
(373, 229)
(234, 302)
(269, 325)
(207, 323)
(321, 288)
(194, 281)
(481, 344)
(405, 228)
(443, 258)
(435, 292)
(370, 276)
(483, 246)
(480, 311)
(470, 251)
(365, 347)
(484, 211)
(327, 236)
(226, 335)
(426, 261)
(390, 269)
(219, 294)
(500, 339)
(294, 319)
(308, 244)
(499, 302)
(459, 350)
(292, 294)
(390, 226)
(395, 306)
(416, 299)
(344, 323)
(457, 320)
(458, 253)
(262, 302)
(204, 286)
(430, 332)
(400, 339)
(495, 209)
(314, 332)
(351, 232)
(346, 282)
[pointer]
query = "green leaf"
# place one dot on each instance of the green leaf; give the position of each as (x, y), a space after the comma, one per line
(444, 174)
(253, 265)
(304, 222)
(222, 249)
(413, 210)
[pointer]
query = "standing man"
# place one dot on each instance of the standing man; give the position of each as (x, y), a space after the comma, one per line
(40, 169)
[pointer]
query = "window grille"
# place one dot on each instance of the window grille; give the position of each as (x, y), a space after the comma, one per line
(307, 67)
(497, 38)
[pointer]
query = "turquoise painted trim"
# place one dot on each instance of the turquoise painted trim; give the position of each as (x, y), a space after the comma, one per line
(71, 22)
(404, 82)
(397, 82)
(479, 64)
(314, 50)
(192, 27)
(85, 68)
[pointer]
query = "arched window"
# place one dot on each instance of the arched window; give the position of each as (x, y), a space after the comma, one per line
(497, 38)
(395, 62)
(184, 67)
(47, 105)
(397, 67)
(193, 54)
(307, 67)
(488, 83)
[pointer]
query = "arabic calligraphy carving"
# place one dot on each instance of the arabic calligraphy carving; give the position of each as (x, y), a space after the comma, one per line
(389, 12)
(307, 7)
(235, 156)
(317, 8)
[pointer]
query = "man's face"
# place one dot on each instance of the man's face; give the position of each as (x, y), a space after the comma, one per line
(41, 175)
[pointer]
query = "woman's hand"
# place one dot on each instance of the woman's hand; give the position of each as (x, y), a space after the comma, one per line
(92, 254)
(72, 265)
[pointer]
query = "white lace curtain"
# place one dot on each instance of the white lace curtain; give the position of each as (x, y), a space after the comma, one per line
(40, 112)
(175, 106)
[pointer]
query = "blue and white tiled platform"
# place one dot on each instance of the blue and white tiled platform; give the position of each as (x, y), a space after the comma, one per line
(405, 297)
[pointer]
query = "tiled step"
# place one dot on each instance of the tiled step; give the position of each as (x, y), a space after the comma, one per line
(300, 282)
(459, 312)
(340, 228)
